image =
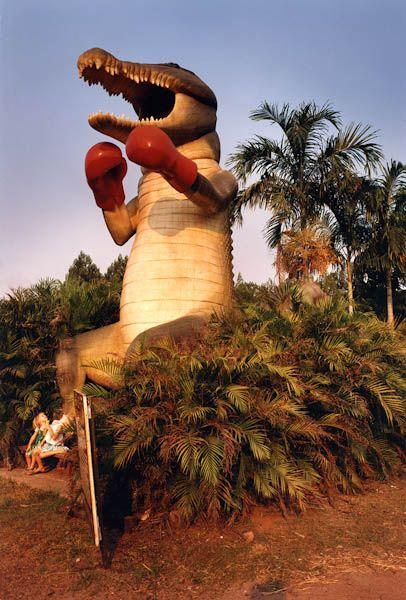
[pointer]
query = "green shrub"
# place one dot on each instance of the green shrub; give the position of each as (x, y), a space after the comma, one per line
(276, 402)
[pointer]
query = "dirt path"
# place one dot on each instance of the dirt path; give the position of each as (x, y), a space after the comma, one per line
(356, 586)
(388, 585)
(46, 482)
(352, 551)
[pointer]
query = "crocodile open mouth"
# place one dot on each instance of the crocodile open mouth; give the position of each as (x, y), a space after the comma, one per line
(152, 101)
(150, 89)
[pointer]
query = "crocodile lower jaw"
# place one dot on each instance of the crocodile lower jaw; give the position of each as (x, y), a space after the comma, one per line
(101, 120)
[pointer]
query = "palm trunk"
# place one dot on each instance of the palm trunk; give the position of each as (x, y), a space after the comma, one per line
(349, 286)
(342, 275)
(389, 296)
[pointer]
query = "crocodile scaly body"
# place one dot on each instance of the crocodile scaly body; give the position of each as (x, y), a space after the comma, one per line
(180, 262)
(179, 271)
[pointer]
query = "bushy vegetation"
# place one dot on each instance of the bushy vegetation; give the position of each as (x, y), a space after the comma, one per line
(278, 401)
(32, 322)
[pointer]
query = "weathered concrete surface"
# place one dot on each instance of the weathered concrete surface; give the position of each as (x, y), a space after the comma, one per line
(46, 482)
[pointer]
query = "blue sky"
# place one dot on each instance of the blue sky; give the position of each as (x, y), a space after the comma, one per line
(351, 53)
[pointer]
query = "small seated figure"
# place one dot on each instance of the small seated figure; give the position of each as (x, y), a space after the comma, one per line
(40, 425)
(52, 445)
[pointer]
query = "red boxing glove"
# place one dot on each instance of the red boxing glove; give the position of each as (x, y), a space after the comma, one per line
(105, 170)
(151, 148)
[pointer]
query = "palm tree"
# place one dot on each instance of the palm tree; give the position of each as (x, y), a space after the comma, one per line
(304, 252)
(295, 171)
(388, 214)
(348, 199)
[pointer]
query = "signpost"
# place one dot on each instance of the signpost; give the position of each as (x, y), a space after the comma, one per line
(88, 465)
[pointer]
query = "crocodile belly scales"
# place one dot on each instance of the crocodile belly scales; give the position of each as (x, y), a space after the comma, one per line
(181, 260)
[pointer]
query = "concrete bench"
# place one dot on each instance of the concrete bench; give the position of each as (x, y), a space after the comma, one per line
(64, 461)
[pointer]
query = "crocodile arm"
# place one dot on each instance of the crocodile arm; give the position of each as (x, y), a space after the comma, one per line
(122, 221)
(213, 194)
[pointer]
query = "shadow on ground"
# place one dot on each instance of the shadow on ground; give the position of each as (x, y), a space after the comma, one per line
(116, 506)
(271, 589)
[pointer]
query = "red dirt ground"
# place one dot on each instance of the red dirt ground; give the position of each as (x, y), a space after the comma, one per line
(354, 550)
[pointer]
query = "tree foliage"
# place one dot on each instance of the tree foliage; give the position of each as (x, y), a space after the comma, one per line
(305, 252)
(115, 272)
(295, 172)
(322, 172)
(387, 245)
(83, 269)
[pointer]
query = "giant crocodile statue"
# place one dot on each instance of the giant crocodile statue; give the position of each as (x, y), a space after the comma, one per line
(179, 271)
